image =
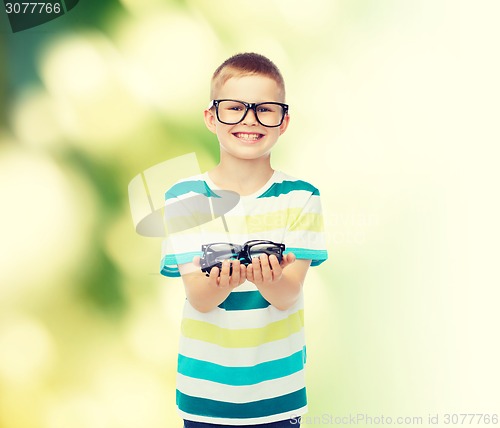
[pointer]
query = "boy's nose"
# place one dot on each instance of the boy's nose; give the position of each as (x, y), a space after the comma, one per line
(250, 117)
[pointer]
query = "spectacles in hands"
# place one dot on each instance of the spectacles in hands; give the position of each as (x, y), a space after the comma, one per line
(215, 254)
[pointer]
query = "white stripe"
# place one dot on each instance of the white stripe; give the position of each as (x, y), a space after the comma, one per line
(303, 239)
(249, 421)
(196, 177)
(241, 357)
(178, 244)
(246, 286)
(182, 197)
(272, 207)
(240, 394)
(240, 238)
(302, 199)
(192, 242)
(298, 239)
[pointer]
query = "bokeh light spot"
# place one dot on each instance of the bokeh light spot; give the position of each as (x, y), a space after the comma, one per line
(27, 350)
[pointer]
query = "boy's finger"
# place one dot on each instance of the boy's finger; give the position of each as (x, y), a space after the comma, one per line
(257, 273)
(214, 275)
(224, 274)
(288, 259)
(196, 261)
(267, 275)
(235, 277)
(249, 270)
(275, 265)
(243, 273)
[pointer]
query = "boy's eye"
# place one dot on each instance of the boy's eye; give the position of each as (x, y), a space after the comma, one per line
(268, 108)
(231, 106)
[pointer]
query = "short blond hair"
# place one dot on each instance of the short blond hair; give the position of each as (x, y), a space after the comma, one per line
(246, 64)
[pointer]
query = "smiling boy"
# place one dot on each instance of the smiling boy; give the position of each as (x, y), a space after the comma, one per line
(242, 348)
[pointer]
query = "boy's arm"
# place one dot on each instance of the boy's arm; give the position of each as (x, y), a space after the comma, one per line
(279, 284)
(206, 293)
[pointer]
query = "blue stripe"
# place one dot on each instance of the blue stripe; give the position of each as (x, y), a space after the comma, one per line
(170, 272)
(285, 187)
(168, 265)
(316, 256)
(255, 409)
(240, 376)
(244, 301)
(198, 186)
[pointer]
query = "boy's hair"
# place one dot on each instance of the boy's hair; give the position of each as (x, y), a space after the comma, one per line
(246, 64)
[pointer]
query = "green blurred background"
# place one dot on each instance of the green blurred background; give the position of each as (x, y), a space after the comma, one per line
(394, 107)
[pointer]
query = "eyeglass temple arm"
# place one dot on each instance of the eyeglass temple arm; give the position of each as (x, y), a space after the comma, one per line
(224, 223)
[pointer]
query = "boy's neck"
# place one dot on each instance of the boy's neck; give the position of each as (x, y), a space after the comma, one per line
(242, 176)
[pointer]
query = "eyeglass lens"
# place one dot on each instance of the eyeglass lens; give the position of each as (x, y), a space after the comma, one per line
(219, 252)
(268, 114)
(258, 249)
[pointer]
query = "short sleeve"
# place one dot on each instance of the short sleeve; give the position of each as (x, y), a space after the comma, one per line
(305, 235)
(194, 215)
(187, 208)
(179, 247)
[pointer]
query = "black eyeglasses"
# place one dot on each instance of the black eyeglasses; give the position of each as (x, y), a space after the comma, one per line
(231, 112)
(215, 254)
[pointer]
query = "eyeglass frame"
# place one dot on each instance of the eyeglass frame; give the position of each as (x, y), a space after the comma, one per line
(242, 255)
(249, 106)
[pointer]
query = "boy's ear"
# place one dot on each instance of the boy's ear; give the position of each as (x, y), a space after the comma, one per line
(284, 125)
(209, 120)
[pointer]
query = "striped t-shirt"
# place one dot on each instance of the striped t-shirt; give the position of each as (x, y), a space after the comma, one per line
(243, 362)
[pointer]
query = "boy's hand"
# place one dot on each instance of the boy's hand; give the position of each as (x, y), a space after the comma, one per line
(266, 270)
(224, 280)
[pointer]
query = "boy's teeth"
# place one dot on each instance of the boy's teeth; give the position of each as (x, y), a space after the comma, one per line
(245, 136)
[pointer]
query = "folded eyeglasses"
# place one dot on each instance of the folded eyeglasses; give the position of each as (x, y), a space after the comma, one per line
(215, 254)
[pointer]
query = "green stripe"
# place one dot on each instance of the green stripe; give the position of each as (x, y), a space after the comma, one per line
(239, 376)
(244, 300)
(242, 338)
(198, 186)
(256, 409)
(310, 222)
(296, 217)
(285, 187)
(187, 222)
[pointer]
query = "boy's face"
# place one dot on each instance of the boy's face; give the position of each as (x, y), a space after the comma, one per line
(247, 139)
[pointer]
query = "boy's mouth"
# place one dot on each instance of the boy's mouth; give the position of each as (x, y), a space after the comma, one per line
(248, 136)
